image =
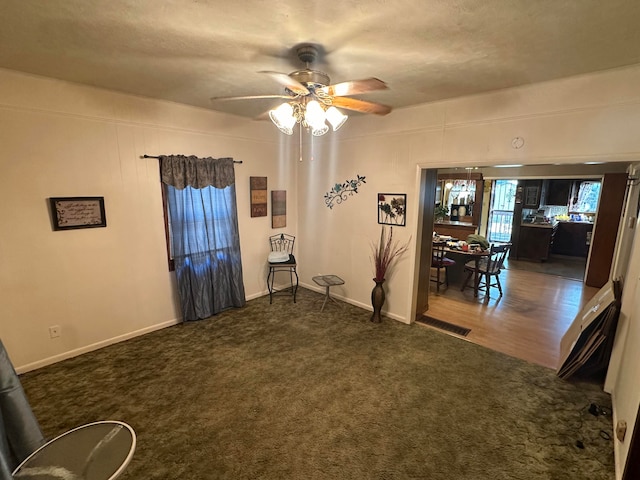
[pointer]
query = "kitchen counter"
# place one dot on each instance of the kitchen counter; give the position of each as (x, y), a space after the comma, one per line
(534, 241)
(537, 225)
(573, 239)
(576, 221)
(453, 222)
(455, 229)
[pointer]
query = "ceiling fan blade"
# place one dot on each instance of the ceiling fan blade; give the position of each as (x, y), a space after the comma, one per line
(263, 116)
(249, 97)
(288, 82)
(360, 105)
(355, 87)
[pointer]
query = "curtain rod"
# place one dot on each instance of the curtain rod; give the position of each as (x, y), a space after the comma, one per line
(152, 156)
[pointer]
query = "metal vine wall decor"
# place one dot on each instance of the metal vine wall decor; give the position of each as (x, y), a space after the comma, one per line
(340, 192)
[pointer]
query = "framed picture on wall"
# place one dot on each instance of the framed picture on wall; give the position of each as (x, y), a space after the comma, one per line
(258, 188)
(77, 212)
(278, 208)
(392, 208)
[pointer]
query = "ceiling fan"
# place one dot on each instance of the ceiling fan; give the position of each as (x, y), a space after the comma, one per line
(311, 100)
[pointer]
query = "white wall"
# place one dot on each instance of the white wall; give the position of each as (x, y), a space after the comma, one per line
(626, 357)
(103, 285)
(338, 240)
(587, 118)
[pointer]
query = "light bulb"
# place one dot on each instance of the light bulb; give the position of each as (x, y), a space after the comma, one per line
(315, 116)
(336, 118)
(282, 117)
(317, 132)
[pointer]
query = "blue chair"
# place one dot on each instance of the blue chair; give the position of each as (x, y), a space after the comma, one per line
(20, 433)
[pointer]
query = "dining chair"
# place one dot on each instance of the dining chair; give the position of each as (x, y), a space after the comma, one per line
(488, 269)
(440, 262)
(281, 259)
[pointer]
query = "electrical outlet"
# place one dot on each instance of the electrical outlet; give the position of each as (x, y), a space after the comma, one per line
(55, 331)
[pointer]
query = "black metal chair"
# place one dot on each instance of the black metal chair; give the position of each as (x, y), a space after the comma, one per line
(285, 262)
(488, 268)
(440, 262)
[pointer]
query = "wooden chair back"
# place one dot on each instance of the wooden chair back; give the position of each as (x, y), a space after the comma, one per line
(497, 255)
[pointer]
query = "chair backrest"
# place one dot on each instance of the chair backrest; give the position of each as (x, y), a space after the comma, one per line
(438, 252)
(282, 243)
(497, 255)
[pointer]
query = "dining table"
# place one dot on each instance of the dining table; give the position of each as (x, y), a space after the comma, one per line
(469, 253)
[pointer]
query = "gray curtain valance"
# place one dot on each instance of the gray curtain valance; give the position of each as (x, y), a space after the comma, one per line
(181, 171)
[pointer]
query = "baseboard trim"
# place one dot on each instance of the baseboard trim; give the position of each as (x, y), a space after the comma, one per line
(95, 346)
(257, 295)
(127, 336)
(355, 303)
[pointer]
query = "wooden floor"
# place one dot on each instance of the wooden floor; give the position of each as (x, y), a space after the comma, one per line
(527, 322)
(561, 266)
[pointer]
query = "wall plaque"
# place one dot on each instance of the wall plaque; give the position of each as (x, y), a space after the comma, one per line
(258, 188)
(77, 212)
(278, 208)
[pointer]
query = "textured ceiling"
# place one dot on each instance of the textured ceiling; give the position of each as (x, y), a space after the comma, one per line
(426, 50)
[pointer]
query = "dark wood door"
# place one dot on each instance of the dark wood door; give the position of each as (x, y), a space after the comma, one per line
(427, 199)
(605, 233)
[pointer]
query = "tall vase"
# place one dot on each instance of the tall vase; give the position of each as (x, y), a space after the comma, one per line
(377, 300)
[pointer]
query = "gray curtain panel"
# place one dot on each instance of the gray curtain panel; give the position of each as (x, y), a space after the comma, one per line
(20, 434)
(201, 199)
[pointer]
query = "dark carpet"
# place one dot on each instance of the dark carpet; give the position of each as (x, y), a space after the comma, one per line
(283, 391)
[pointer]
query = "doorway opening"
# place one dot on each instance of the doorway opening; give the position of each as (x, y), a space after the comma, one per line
(514, 322)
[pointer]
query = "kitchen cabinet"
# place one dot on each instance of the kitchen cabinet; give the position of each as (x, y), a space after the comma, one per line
(532, 189)
(557, 192)
(534, 242)
(572, 239)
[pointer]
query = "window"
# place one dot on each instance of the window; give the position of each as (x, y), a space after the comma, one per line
(587, 199)
(203, 241)
(205, 211)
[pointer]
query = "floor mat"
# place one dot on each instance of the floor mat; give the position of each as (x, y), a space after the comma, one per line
(442, 325)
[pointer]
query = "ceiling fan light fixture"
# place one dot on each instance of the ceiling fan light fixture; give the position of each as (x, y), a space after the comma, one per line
(283, 118)
(311, 99)
(336, 118)
(314, 115)
(320, 130)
